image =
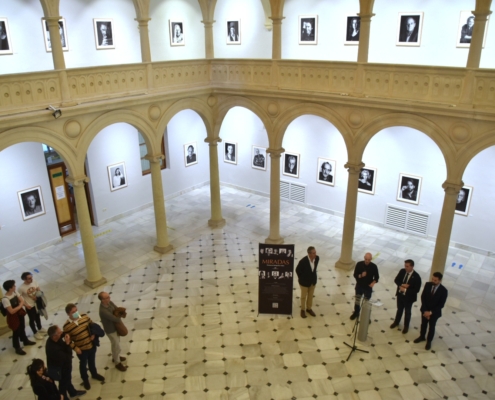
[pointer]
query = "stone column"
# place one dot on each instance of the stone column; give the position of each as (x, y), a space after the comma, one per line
(162, 243)
(216, 220)
(94, 277)
(144, 38)
(56, 42)
(364, 37)
(277, 38)
(209, 46)
(274, 236)
(345, 261)
(481, 15)
(445, 226)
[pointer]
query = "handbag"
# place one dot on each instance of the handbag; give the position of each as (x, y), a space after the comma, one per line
(121, 328)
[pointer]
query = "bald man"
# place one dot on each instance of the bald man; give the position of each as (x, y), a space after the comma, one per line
(366, 275)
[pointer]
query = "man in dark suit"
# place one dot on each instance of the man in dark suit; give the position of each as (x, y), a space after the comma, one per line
(290, 165)
(191, 155)
(433, 299)
(408, 284)
(326, 172)
(366, 275)
(409, 32)
(229, 152)
(306, 274)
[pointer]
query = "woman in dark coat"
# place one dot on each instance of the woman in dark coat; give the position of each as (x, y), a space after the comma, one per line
(42, 385)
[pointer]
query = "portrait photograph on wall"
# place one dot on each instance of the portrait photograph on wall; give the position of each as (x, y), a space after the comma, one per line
(465, 29)
(62, 27)
(177, 37)
(234, 32)
(409, 188)
(190, 156)
(325, 171)
(31, 202)
(291, 164)
(117, 176)
(103, 33)
(367, 180)
(464, 200)
(353, 28)
(230, 154)
(409, 29)
(308, 29)
(258, 158)
(5, 41)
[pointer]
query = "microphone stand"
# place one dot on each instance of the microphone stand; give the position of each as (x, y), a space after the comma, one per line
(360, 300)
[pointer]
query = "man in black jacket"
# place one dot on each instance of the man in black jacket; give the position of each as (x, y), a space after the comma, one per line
(59, 362)
(306, 274)
(366, 275)
(433, 299)
(408, 284)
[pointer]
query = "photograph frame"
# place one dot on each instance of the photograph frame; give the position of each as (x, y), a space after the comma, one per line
(46, 36)
(417, 182)
(99, 37)
(463, 17)
(112, 176)
(349, 39)
(194, 155)
(259, 162)
(372, 173)
(286, 167)
(320, 175)
(39, 205)
(172, 23)
(305, 37)
(459, 209)
(236, 24)
(403, 17)
(234, 153)
(5, 38)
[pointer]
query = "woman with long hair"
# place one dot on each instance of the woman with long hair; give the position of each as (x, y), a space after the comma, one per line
(42, 385)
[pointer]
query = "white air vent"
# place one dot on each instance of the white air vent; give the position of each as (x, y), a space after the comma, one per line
(406, 220)
(293, 191)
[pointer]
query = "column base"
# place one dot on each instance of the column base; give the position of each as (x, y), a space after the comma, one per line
(269, 240)
(216, 223)
(163, 250)
(95, 284)
(345, 265)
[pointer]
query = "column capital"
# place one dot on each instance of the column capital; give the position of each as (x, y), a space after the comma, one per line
(52, 19)
(154, 158)
(208, 23)
(213, 141)
(277, 20)
(452, 188)
(353, 168)
(275, 153)
(142, 21)
(481, 15)
(365, 17)
(77, 181)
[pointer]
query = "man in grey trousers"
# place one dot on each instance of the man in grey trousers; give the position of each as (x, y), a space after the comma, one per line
(108, 319)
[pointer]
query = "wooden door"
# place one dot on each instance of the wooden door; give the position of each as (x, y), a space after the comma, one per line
(62, 198)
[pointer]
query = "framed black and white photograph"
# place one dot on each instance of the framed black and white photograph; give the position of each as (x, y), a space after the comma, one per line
(230, 153)
(258, 158)
(177, 37)
(367, 180)
(326, 171)
(409, 188)
(5, 41)
(464, 200)
(104, 33)
(31, 202)
(190, 154)
(234, 32)
(410, 25)
(291, 164)
(62, 27)
(353, 29)
(308, 29)
(465, 29)
(117, 176)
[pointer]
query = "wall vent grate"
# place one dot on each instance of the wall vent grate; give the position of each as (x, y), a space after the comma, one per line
(293, 191)
(406, 220)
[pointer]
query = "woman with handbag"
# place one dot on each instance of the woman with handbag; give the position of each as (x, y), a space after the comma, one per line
(43, 386)
(14, 304)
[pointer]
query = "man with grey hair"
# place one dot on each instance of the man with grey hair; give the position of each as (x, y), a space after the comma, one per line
(366, 275)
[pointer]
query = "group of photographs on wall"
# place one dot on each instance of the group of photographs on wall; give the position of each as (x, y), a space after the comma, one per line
(177, 34)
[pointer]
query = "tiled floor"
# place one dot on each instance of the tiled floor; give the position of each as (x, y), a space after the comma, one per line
(194, 328)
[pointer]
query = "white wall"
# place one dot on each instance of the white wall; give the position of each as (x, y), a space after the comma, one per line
(23, 166)
(188, 11)
(256, 40)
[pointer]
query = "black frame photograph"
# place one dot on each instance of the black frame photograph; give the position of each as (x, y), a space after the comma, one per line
(177, 36)
(230, 153)
(190, 154)
(353, 29)
(367, 180)
(103, 28)
(308, 29)
(325, 172)
(117, 176)
(464, 201)
(234, 31)
(259, 158)
(63, 35)
(409, 29)
(465, 30)
(5, 41)
(409, 188)
(31, 202)
(291, 164)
